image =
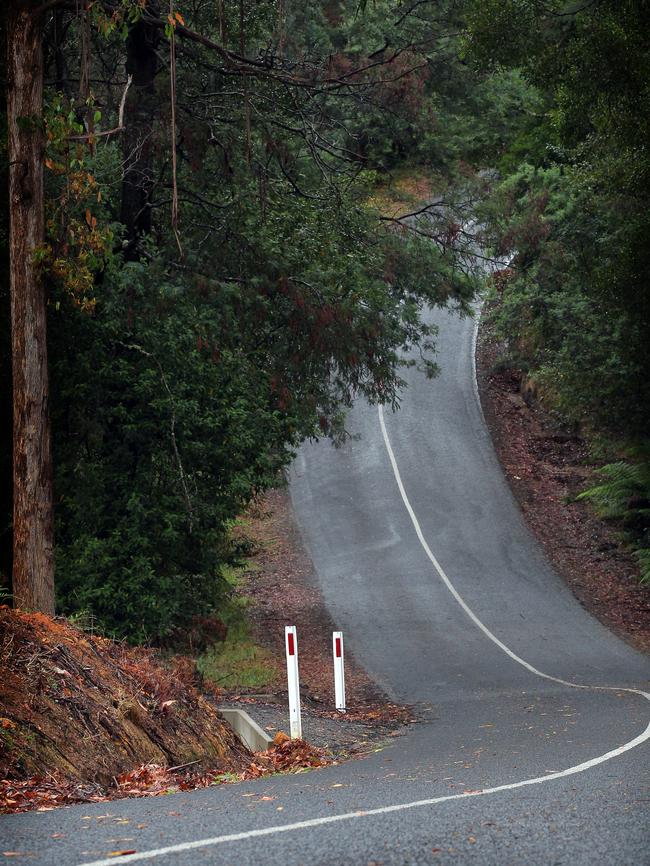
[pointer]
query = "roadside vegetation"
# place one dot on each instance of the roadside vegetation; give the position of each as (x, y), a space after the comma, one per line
(239, 661)
(573, 307)
(214, 286)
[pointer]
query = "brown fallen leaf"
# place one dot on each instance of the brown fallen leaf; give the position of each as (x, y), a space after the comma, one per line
(280, 738)
(121, 853)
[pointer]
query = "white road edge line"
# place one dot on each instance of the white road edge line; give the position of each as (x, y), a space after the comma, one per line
(383, 810)
(433, 801)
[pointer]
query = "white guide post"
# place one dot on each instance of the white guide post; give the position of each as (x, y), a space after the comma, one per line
(339, 670)
(291, 646)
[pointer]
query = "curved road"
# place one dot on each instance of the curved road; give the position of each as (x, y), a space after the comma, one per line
(447, 601)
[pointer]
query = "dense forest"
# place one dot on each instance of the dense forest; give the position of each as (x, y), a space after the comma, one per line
(199, 276)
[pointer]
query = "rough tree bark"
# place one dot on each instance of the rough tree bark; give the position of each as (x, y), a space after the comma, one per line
(33, 524)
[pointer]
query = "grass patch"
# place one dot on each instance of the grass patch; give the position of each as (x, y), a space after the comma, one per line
(238, 662)
(403, 190)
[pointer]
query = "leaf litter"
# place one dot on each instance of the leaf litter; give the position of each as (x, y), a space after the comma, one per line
(44, 793)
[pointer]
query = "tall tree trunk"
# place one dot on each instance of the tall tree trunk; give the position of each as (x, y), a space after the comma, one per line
(137, 139)
(33, 524)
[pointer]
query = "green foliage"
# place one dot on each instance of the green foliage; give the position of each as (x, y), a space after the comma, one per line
(576, 307)
(426, 105)
(191, 355)
(186, 390)
(76, 243)
(159, 443)
(587, 350)
(238, 662)
(643, 556)
(624, 497)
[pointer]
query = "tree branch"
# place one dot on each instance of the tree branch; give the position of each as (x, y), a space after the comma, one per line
(120, 120)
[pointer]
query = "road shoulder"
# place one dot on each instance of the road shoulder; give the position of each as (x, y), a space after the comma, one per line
(546, 467)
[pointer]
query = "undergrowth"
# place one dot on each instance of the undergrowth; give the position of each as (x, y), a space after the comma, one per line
(238, 661)
(623, 497)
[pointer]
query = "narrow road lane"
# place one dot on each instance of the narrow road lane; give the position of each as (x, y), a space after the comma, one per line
(446, 599)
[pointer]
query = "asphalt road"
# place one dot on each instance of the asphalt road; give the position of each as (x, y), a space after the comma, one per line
(446, 599)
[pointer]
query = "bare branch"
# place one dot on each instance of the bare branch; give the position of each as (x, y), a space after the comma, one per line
(120, 120)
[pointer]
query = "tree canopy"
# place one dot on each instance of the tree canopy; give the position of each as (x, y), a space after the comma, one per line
(217, 288)
(217, 283)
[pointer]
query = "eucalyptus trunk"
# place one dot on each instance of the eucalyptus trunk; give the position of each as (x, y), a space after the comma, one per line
(33, 524)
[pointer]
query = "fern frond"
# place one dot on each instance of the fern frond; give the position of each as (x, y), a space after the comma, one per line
(622, 482)
(643, 556)
(624, 496)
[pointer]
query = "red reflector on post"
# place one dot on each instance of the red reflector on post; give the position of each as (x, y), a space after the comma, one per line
(290, 645)
(339, 672)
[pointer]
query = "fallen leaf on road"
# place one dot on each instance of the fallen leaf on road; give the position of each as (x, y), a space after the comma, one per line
(121, 853)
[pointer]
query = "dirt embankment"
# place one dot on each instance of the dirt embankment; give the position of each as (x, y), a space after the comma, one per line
(547, 466)
(87, 710)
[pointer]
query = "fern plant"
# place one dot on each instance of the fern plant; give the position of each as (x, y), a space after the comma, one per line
(624, 497)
